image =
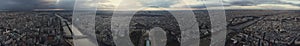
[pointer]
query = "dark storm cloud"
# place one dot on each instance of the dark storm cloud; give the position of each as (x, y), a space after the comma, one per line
(65, 4)
(242, 3)
(35, 4)
(22, 4)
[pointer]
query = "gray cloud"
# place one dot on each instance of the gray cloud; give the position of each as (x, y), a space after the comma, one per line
(34, 4)
(21, 4)
(69, 4)
(292, 2)
(251, 2)
(243, 3)
(158, 3)
(65, 4)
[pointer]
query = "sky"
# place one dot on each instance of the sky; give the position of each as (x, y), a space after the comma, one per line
(151, 4)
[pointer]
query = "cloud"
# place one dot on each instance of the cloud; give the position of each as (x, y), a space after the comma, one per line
(112, 4)
(64, 4)
(279, 6)
(106, 4)
(23, 4)
(242, 3)
(186, 3)
(264, 7)
(228, 4)
(28, 5)
(158, 3)
(291, 1)
(261, 4)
